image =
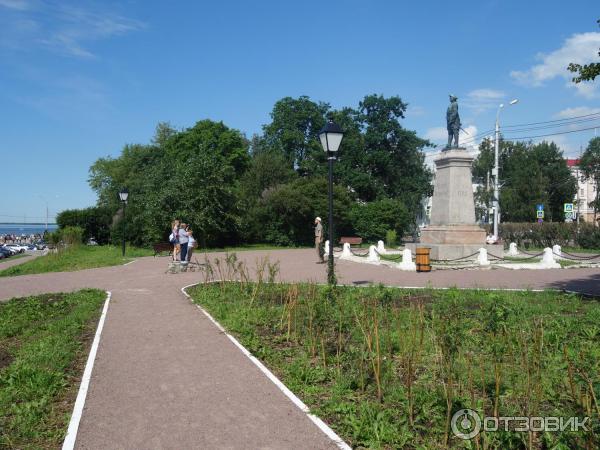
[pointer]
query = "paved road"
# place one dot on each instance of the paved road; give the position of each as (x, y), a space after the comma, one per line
(165, 377)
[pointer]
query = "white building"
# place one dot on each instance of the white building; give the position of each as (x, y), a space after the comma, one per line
(586, 192)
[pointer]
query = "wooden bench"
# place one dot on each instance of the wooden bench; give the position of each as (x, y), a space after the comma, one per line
(161, 247)
(355, 240)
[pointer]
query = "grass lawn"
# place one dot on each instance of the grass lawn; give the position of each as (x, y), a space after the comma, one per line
(564, 249)
(44, 341)
(78, 258)
(388, 368)
(528, 260)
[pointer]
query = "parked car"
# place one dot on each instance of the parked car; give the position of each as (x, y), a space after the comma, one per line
(13, 251)
(41, 245)
(7, 252)
(18, 247)
(92, 241)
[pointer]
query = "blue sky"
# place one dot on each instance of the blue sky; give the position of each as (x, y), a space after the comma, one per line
(80, 79)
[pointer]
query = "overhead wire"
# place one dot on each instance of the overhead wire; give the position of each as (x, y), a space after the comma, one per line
(597, 114)
(532, 126)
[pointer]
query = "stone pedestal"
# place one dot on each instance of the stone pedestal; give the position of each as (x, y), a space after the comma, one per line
(453, 232)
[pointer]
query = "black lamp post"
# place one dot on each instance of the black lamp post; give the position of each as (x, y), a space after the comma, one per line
(123, 194)
(331, 137)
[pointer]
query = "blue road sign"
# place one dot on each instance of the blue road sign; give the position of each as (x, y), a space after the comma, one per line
(539, 207)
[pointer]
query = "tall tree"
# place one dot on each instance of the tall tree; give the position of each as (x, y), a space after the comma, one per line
(294, 128)
(590, 166)
(379, 158)
(532, 174)
(393, 155)
(191, 175)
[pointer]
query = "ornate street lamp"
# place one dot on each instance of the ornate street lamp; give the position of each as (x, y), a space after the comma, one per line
(331, 137)
(123, 195)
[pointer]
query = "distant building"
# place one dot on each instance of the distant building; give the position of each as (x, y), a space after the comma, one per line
(586, 192)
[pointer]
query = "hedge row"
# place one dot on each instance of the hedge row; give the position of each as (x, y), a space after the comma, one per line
(550, 233)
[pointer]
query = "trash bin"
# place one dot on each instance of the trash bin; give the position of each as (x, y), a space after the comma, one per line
(422, 259)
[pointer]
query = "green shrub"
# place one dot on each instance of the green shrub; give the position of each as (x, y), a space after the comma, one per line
(391, 238)
(95, 222)
(589, 236)
(373, 220)
(68, 236)
(548, 234)
(72, 236)
(285, 214)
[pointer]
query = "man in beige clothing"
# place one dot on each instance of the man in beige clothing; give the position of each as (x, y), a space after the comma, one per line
(319, 239)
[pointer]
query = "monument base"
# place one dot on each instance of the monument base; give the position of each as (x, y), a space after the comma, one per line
(453, 234)
(447, 252)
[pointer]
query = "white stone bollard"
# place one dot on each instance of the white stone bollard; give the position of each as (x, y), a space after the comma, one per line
(548, 261)
(373, 256)
(557, 251)
(346, 253)
(381, 248)
(407, 262)
(512, 249)
(482, 258)
(326, 248)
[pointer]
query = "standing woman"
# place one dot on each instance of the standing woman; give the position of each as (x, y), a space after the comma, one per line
(183, 242)
(174, 238)
(192, 244)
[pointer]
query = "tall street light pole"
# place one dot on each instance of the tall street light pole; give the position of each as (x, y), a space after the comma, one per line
(496, 170)
(123, 195)
(331, 137)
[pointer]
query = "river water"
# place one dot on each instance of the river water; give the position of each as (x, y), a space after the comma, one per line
(25, 228)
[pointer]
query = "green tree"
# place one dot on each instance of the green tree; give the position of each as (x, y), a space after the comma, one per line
(293, 131)
(392, 155)
(484, 163)
(372, 220)
(95, 222)
(191, 174)
(268, 168)
(586, 72)
(285, 214)
(590, 166)
(532, 174)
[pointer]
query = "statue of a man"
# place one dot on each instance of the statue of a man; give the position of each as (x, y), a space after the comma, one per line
(453, 122)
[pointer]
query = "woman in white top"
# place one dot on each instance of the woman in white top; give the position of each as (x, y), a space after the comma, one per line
(191, 244)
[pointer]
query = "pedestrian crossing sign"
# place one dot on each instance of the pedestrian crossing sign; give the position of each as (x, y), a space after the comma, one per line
(568, 207)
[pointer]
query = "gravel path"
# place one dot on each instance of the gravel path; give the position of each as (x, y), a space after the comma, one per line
(166, 377)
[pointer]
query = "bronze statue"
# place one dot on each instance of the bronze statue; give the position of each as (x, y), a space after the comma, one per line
(453, 122)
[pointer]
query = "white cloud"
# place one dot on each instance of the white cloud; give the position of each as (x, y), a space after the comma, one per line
(436, 134)
(19, 5)
(480, 100)
(416, 110)
(580, 49)
(63, 29)
(577, 111)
